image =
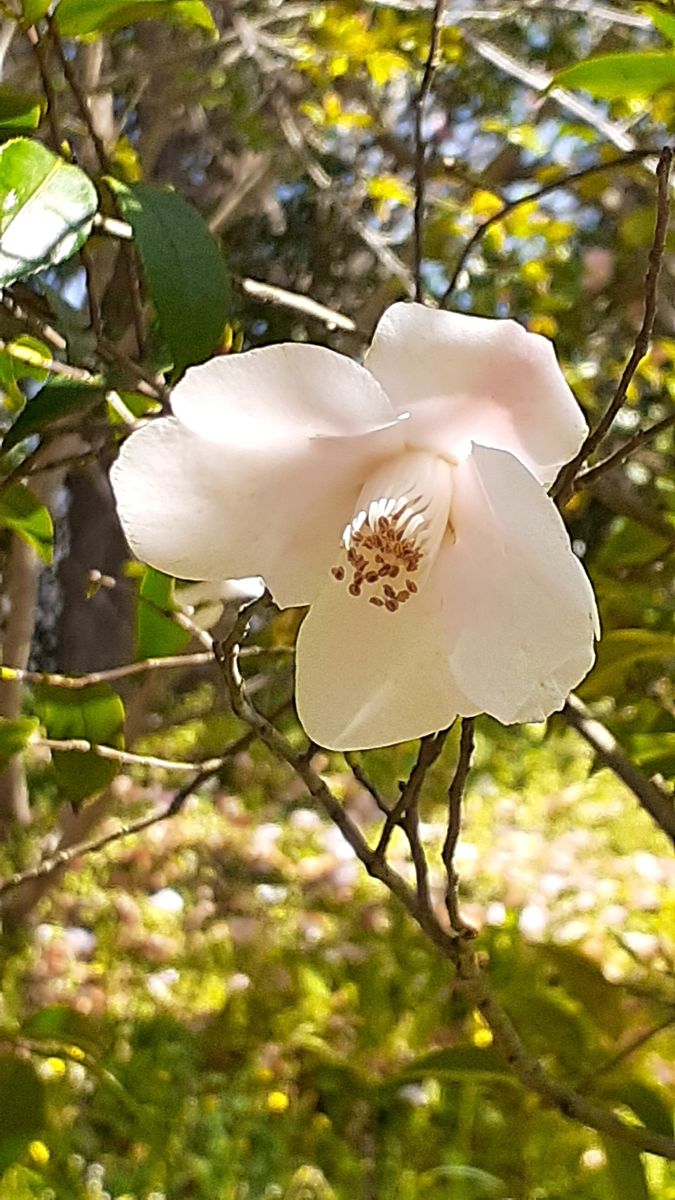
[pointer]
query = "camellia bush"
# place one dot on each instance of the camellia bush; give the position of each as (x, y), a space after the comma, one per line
(337, 518)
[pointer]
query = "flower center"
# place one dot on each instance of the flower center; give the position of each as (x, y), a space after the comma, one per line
(390, 544)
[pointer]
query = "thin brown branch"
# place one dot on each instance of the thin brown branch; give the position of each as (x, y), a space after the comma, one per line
(654, 799)
(361, 777)
(64, 857)
(125, 757)
(535, 1079)
(75, 682)
(564, 485)
(457, 950)
(629, 447)
(420, 174)
(430, 749)
(30, 356)
(455, 794)
(70, 75)
(37, 326)
(47, 86)
(534, 197)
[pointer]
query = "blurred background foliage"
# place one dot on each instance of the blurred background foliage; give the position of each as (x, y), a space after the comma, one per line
(225, 1007)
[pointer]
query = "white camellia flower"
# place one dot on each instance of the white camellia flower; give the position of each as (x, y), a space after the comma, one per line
(403, 500)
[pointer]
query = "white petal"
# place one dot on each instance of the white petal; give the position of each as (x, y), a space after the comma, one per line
(519, 608)
(280, 394)
(366, 677)
(201, 509)
(470, 379)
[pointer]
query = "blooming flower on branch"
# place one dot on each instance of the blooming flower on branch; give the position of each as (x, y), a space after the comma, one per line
(403, 500)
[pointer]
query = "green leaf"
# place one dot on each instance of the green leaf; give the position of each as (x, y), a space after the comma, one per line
(94, 713)
(77, 18)
(22, 1104)
(18, 113)
(52, 403)
(625, 1171)
(34, 10)
(458, 1062)
(619, 652)
(648, 1103)
(22, 512)
(187, 275)
(46, 208)
(663, 21)
(156, 634)
(14, 735)
(60, 1023)
(620, 76)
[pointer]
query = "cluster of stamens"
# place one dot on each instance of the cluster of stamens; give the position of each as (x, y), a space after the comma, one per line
(382, 549)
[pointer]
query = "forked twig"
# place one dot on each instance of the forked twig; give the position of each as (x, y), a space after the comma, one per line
(564, 485)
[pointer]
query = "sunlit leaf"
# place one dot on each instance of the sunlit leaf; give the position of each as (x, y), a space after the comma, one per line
(617, 76)
(15, 735)
(186, 273)
(21, 511)
(95, 714)
(75, 18)
(156, 633)
(662, 20)
(46, 208)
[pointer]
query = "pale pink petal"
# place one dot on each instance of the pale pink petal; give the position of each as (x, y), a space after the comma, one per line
(200, 509)
(519, 610)
(469, 379)
(280, 394)
(367, 677)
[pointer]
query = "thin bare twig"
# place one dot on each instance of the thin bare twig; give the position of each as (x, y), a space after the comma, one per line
(361, 777)
(655, 801)
(78, 95)
(47, 86)
(455, 794)
(534, 197)
(457, 950)
(629, 447)
(125, 757)
(420, 177)
(564, 485)
(430, 749)
(75, 682)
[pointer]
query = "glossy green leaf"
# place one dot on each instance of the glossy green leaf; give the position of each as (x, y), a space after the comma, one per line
(14, 735)
(46, 207)
(662, 20)
(625, 1171)
(619, 652)
(156, 634)
(618, 76)
(54, 402)
(186, 273)
(18, 113)
(21, 511)
(93, 713)
(22, 1105)
(76, 18)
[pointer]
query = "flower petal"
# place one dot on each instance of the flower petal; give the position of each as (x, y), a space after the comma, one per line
(465, 379)
(519, 607)
(279, 394)
(366, 677)
(264, 479)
